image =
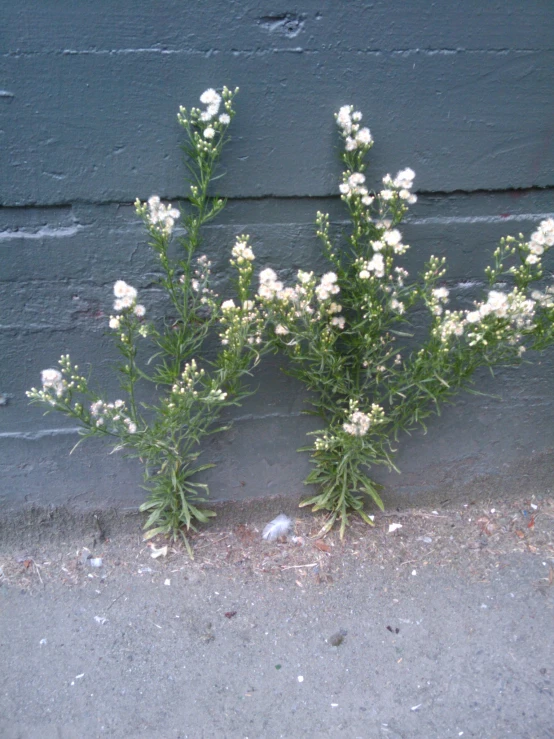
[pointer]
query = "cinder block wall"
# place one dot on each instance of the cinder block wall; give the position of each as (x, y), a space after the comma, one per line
(460, 92)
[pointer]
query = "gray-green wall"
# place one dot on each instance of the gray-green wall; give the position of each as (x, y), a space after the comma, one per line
(462, 92)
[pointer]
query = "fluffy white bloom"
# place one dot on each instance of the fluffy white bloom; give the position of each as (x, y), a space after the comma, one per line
(354, 185)
(53, 378)
(209, 132)
(376, 264)
(242, 251)
(404, 179)
(139, 311)
(344, 119)
(367, 199)
(126, 296)
(131, 427)
(441, 293)
(270, 286)
(212, 100)
(225, 119)
(386, 194)
(114, 322)
(210, 97)
(358, 424)
(327, 286)
(498, 303)
(338, 321)
(544, 235)
(228, 305)
(397, 306)
(350, 144)
(160, 216)
(364, 274)
(267, 275)
(364, 137)
(304, 277)
(281, 330)
(355, 179)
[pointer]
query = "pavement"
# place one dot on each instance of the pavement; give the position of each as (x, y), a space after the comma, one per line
(433, 623)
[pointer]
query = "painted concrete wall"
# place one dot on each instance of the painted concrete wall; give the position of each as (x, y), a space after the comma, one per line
(460, 92)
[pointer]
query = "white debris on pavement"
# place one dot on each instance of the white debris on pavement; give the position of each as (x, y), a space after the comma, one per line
(394, 527)
(276, 528)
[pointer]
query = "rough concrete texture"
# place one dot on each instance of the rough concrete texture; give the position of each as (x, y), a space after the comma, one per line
(88, 108)
(435, 624)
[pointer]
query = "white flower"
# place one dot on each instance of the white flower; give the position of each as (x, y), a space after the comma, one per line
(392, 237)
(473, 316)
(441, 293)
(209, 132)
(355, 179)
(53, 378)
(367, 199)
(397, 306)
(228, 305)
(96, 408)
(364, 274)
(358, 424)
(404, 179)
(225, 119)
(376, 264)
(242, 251)
(364, 137)
(210, 97)
(344, 187)
(114, 322)
(213, 100)
(119, 403)
(120, 289)
(350, 144)
(139, 311)
(267, 275)
(327, 286)
(160, 216)
(281, 330)
(338, 321)
(386, 194)
(344, 119)
(357, 116)
(123, 303)
(498, 303)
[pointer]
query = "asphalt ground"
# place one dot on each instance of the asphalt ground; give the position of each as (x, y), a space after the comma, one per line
(440, 626)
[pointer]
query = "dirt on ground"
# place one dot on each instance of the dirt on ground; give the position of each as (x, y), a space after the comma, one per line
(431, 623)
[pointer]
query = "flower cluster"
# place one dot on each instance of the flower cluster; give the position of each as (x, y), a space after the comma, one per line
(158, 217)
(399, 186)
(353, 186)
(270, 287)
(57, 386)
(327, 287)
(354, 136)
(207, 126)
(53, 379)
(242, 251)
(106, 414)
(513, 307)
(241, 323)
(541, 240)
